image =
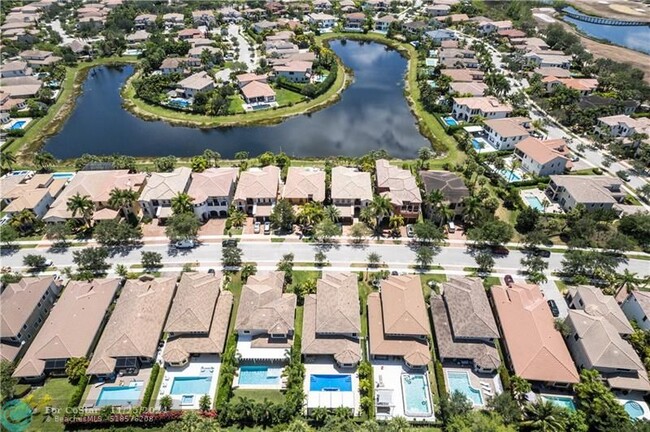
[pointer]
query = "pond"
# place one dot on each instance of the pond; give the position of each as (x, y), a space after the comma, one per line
(633, 37)
(372, 114)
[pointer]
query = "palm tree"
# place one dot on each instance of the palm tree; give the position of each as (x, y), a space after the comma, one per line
(520, 387)
(7, 160)
(237, 217)
(395, 222)
(445, 214)
(380, 207)
(629, 280)
(544, 416)
(310, 214)
(82, 205)
(23, 221)
(182, 203)
(122, 199)
(516, 163)
(472, 210)
(333, 213)
(44, 160)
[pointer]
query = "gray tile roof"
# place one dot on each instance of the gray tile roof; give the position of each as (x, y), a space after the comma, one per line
(469, 310)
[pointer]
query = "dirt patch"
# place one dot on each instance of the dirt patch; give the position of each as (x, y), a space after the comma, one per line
(619, 9)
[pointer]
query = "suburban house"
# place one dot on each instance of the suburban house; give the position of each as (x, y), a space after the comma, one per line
(464, 325)
(488, 107)
(504, 133)
(173, 20)
(156, 197)
(247, 78)
(549, 59)
(257, 191)
(35, 194)
(622, 126)
(265, 318)
(294, 71)
(542, 158)
(145, 20)
(472, 88)
(263, 26)
(195, 83)
(584, 86)
(400, 187)
(555, 72)
(322, 20)
(437, 10)
(137, 37)
(596, 339)
(213, 191)
(97, 185)
(463, 75)
(173, 65)
(130, 339)
(347, 6)
(38, 59)
(376, 5)
(198, 320)
(204, 18)
(594, 192)
(441, 35)
(331, 321)
(189, 34)
(25, 305)
(489, 27)
(626, 107)
(351, 191)
(382, 24)
(637, 307)
(322, 5)
(15, 69)
(533, 347)
(398, 324)
(450, 184)
(304, 184)
(258, 92)
(354, 21)
(229, 15)
(70, 330)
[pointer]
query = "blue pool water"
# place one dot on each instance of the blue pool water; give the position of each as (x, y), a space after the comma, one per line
(417, 399)
(633, 409)
(191, 385)
(450, 121)
(18, 125)
(259, 375)
(119, 395)
(535, 203)
(509, 176)
(330, 383)
(459, 381)
(178, 102)
(563, 401)
(479, 144)
(63, 175)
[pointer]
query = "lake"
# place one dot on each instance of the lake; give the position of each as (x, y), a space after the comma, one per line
(632, 37)
(372, 114)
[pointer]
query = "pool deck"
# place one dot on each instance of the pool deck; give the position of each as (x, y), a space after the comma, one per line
(488, 384)
(192, 369)
(327, 366)
(279, 386)
(247, 352)
(388, 377)
(95, 390)
(541, 196)
(26, 120)
(622, 399)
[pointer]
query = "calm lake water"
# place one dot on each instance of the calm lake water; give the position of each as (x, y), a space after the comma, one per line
(371, 114)
(633, 37)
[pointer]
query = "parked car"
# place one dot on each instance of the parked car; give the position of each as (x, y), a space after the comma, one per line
(48, 263)
(623, 175)
(542, 252)
(267, 227)
(409, 231)
(575, 158)
(229, 243)
(554, 309)
(508, 280)
(184, 244)
(211, 271)
(394, 273)
(500, 250)
(256, 227)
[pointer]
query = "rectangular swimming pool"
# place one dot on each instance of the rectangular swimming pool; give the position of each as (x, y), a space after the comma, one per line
(259, 375)
(563, 401)
(330, 383)
(535, 203)
(416, 395)
(120, 395)
(459, 381)
(62, 175)
(191, 385)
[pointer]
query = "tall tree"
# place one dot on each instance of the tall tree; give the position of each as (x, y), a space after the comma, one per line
(122, 200)
(81, 205)
(182, 204)
(44, 160)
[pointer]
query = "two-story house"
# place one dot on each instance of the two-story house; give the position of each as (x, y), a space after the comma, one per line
(400, 187)
(487, 107)
(594, 192)
(213, 191)
(257, 191)
(304, 184)
(505, 133)
(542, 158)
(156, 197)
(351, 191)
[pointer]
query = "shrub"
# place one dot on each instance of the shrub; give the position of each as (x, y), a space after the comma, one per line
(440, 379)
(505, 377)
(146, 399)
(75, 399)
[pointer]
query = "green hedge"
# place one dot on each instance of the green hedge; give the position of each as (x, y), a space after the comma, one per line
(75, 399)
(505, 377)
(227, 372)
(440, 379)
(155, 370)
(21, 390)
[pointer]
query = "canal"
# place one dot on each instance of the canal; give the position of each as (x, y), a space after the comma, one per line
(372, 114)
(633, 37)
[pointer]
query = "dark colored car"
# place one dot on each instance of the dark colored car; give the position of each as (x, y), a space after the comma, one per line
(543, 253)
(500, 250)
(554, 309)
(211, 271)
(508, 280)
(394, 273)
(229, 243)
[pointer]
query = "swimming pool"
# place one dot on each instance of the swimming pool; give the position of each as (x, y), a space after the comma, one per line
(259, 375)
(330, 383)
(563, 401)
(62, 175)
(450, 121)
(416, 396)
(120, 395)
(535, 203)
(18, 125)
(179, 103)
(459, 381)
(633, 409)
(191, 385)
(509, 176)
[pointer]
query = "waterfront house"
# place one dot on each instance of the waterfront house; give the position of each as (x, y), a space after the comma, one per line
(295, 71)
(593, 192)
(331, 320)
(466, 332)
(156, 197)
(400, 187)
(532, 345)
(130, 339)
(198, 320)
(15, 69)
(35, 194)
(38, 59)
(636, 306)
(488, 107)
(97, 185)
(258, 92)
(70, 330)
(212, 191)
(304, 184)
(173, 65)
(398, 324)
(265, 318)
(193, 84)
(354, 21)
(451, 185)
(382, 23)
(542, 158)
(26, 305)
(505, 133)
(351, 191)
(257, 191)
(597, 328)
(441, 35)
(465, 89)
(322, 20)
(138, 37)
(463, 75)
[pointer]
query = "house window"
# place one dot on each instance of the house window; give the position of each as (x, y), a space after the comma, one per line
(576, 337)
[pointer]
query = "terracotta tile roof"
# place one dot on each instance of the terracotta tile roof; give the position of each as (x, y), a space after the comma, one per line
(258, 183)
(463, 75)
(589, 189)
(400, 183)
(403, 309)
(349, 183)
(472, 88)
(197, 81)
(542, 151)
(165, 186)
(507, 127)
(213, 182)
(193, 306)
(19, 301)
(553, 72)
(255, 89)
(536, 349)
(596, 303)
(263, 307)
(305, 182)
(486, 104)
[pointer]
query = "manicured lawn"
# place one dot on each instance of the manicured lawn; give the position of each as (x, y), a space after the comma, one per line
(425, 278)
(490, 281)
(234, 287)
(156, 388)
(285, 97)
(274, 396)
(298, 322)
(59, 390)
(364, 289)
(300, 276)
(236, 105)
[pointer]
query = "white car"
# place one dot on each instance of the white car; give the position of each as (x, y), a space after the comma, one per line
(267, 227)
(256, 227)
(184, 244)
